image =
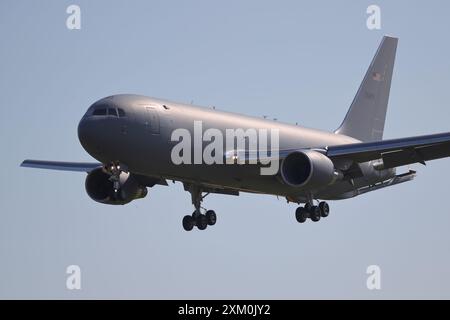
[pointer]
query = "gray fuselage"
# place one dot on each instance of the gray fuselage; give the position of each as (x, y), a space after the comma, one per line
(139, 136)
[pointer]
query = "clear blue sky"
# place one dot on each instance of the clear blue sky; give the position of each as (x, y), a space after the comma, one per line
(295, 61)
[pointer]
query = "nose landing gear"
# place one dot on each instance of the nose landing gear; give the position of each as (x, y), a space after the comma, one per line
(115, 170)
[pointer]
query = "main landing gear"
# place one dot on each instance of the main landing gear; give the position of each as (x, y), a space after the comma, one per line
(313, 212)
(198, 219)
(201, 221)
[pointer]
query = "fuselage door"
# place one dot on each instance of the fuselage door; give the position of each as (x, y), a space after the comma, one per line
(151, 120)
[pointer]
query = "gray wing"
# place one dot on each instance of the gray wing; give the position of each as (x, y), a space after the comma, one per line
(395, 152)
(59, 165)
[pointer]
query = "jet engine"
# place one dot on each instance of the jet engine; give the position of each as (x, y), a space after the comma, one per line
(100, 188)
(308, 169)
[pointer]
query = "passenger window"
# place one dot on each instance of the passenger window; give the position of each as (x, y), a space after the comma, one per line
(121, 112)
(99, 112)
(112, 112)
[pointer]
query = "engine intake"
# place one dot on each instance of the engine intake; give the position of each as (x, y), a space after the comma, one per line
(100, 188)
(307, 169)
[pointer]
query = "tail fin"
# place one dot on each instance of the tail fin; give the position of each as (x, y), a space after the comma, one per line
(366, 116)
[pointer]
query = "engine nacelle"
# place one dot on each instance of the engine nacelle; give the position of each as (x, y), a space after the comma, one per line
(308, 169)
(101, 189)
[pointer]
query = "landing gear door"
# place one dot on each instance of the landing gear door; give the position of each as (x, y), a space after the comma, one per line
(151, 120)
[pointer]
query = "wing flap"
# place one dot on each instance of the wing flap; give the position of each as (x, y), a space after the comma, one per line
(435, 151)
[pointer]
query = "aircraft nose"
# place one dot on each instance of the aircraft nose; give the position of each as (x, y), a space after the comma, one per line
(83, 132)
(86, 134)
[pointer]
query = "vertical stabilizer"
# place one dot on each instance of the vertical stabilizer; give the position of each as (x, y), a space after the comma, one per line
(367, 114)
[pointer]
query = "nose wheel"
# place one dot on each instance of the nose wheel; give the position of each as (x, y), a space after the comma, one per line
(315, 213)
(114, 170)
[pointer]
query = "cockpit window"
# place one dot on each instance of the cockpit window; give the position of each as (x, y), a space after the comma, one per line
(107, 110)
(121, 112)
(112, 112)
(99, 112)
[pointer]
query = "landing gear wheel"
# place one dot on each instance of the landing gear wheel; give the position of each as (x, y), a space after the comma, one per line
(202, 222)
(211, 217)
(314, 213)
(188, 223)
(301, 214)
(324, 209)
